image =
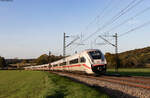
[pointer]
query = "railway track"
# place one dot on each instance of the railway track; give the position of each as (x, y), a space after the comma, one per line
(125, 81)
(118, 87)
(138, 82)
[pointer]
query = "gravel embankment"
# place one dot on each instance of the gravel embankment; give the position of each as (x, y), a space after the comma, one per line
(115, 90)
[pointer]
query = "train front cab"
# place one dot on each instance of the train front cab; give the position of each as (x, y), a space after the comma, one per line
(99, 69)
(98, 65)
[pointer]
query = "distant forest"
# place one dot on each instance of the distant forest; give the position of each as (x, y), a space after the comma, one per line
(43, 59)
(138, 58)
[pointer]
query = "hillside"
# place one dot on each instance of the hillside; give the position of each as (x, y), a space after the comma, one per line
(131, 59)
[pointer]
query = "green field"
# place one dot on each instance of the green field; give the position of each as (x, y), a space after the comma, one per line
(38, 84)
(131, 71)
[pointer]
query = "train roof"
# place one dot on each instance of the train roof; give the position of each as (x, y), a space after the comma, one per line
(74, 55)
(87, 50)
(37, 66)
(62, 60)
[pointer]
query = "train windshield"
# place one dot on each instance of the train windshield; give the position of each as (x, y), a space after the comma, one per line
(95, 54)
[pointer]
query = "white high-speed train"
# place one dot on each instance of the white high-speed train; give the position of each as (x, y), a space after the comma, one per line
(89, 61)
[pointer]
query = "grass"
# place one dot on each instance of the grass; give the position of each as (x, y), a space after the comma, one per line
(38, 84)
(131, 71)
(69, 89)
(23, 84)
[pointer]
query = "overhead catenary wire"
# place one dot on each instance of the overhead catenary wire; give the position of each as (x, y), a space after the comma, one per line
(130, 6)
(136, 15)
(122, 12)
(119, 14)
(110, 10)
(72, 42)
(134, 29)
(106, 7)
(99, 15)
(125, 11)
(102, 15)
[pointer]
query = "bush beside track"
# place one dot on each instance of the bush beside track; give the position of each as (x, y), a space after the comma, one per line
(40, 84)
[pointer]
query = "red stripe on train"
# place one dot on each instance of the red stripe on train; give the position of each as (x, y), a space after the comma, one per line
(86, 66)
(98, 65)
(72, 66)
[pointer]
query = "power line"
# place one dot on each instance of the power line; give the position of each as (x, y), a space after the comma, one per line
(118, 14)
(141, 12)
(99, 15)
(129, 7)
(122, 12)
(72, 42)
(104, 9)
(102, 16)
(136, 28)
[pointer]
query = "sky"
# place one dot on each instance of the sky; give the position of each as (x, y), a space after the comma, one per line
(30, 28)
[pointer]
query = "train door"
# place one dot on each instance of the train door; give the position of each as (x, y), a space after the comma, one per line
(82, 61)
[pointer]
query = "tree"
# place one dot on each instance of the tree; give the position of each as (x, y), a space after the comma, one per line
(2, 62)
(111, 61)
(22, 63)
(43, 59)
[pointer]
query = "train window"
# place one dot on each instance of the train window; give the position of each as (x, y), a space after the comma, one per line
(74, 61)
(50, 65)
(64, 63)
(55, 65)
(95, 54)
(82, 60)
(60, 64)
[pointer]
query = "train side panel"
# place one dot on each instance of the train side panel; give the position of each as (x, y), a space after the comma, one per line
(89, 61)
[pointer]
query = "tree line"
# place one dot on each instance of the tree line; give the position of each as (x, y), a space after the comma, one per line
(2, 62)
(129, 59)
(43, 59)
(137, 58)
